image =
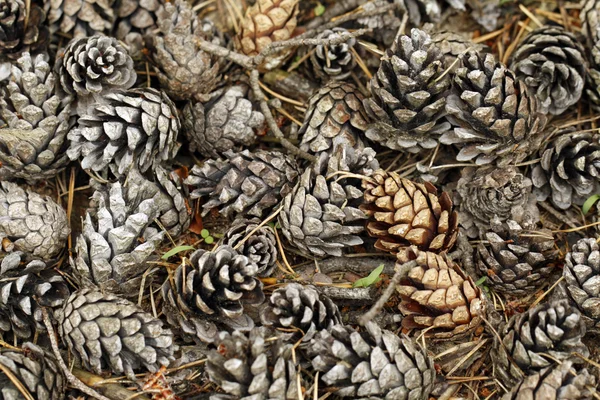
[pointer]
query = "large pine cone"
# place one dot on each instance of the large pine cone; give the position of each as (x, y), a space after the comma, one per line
(36, 370)
(22, 29)
(81, 18)
(495, 115)
(371, 364)
(260, 248)
(553, 328)
(211, 286)
(403, 213)
(569, 169)
(300, 307)
(244, 183)
(33, 145)
(582, 276)
(515, 261)
(552, 64)
(322, 218)
(137, 126)
(228, 121)
(334, 61)
(254, 365)
(409, 95)
(438, 296)
(31, 223)
(103, 330)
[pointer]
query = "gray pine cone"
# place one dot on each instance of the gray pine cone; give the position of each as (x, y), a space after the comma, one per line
(582, 276)
(569, 169)
(590, 20)
(335, 61)
(137, 127)
(453, 45)
(495, 116)
(553, 328)
(36, 370)
(31, 223)
(80, 18)
(321, 218)
(23, 28)
(105, 331)
(260, 248)
(409, 95)
(296, 306)
(33, 144)
(244, 183)
(135, 19)
(592, 87)
(372, 364)
(254, 366)
(229, 121)
(551, 62)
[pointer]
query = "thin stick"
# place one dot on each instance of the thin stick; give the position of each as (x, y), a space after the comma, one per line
(279, 96)
(530, 15)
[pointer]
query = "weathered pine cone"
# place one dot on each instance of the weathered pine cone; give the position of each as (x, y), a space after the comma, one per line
(135, 19)
(582, 277)
(453, 45)
(260, 247)
(590, 20)
(82, 18)
(404, 213)
(22, 29)
(335, 61)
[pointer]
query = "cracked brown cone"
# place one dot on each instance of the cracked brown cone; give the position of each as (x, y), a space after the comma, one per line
(404, 213)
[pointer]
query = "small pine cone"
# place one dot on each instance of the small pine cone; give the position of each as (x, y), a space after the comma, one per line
(487, 193)
(24, 287)
(22, 29)
(31, 223)
(137, 126)
(36, 369)
(553, 328)
(335, 61)
(581, 272)
(404, 213)
(229, 121)
(260, 248)
(514, 260)
(135, 19)
(33, 144)
(265, 22)
(557, 382)
(296, 306)
(116, 242)
(551, 62)
(244, 183)
(211, 285)
(322, 218)
(409, 95)
(569, 169)
(254, 366)
(437, 296)
(371, 364)
(80, 19)
(105, 331)
(495, 115)
(453, 45)
(93, 67)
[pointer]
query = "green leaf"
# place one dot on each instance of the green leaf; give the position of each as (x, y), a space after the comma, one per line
(319, 10)
(369, 280)
(204, 233)
(480, 281)
(209, 240)
(589, 203)
(176, 250)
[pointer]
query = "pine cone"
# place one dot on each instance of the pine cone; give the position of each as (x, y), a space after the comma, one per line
(211, 285)
(453, 45)
(103, 330)
(592, 87)
(227, 122)
(409, 95)
(403, 213)
(557, 382)
(244, 183)
(569, 169)
(138, 127)
(551, 62)
(514, 260)
(116, 242)
(31, 223)
(93, 67)
(265, 22)
(33, 144)
(135, 19)
(437, 296)
(24, 287)
(260, 247)
(495, 115)
(22, 29)
(296, 306)
(553, 328)
(36, 370)
(321, 218)
(590, 20)
(80, 19)
(371, 364)
(335, 61)
(254, 366)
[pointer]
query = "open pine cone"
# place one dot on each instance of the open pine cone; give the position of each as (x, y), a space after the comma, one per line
(23, 28)
(582, 275)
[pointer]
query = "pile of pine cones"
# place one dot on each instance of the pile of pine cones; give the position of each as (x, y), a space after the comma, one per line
(196, 196)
